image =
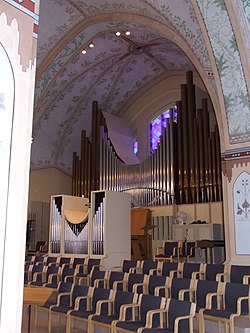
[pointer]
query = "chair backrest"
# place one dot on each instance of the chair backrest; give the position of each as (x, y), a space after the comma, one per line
(237, 273)
(64, 287)
(97, 275)
(187, 249)
(67, 271)
(78, 291)
(99, 294)
(147, 265)
(122, 297)
(147, 303)
(63, 260)
(167, 267)
(189, 268)
(51, 270)
(169, 248)
(211, 270)
(178, 284)
(29, 259)
(127, 264)
(39, 260)
(202, 289)
(113, 277)
(93, 263)
(134, 278)
(36, 269)
(51, 260)
(77, 261)
(231, 294)
(176, 309)
(155, 281)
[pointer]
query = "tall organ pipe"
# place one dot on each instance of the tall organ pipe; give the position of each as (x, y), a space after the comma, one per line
(184, 168)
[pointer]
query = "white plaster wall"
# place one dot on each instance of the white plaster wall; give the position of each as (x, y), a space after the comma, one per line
(16, 209)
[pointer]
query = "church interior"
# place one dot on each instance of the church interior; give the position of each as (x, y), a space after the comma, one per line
(125, 166)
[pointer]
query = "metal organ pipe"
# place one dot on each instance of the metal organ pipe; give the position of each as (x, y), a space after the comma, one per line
(185, 167)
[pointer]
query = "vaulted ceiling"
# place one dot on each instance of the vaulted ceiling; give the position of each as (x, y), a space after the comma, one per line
(164, 36)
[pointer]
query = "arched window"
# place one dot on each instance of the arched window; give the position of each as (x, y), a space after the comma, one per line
(157, 125)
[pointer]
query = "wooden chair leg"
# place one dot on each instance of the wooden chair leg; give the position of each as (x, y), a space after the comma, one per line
(69, 324)
(49, 328)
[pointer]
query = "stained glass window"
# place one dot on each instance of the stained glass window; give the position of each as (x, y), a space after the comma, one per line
(136, 147)
(157, 125)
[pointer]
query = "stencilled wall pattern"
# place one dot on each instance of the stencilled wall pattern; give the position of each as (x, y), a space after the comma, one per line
(229, 68)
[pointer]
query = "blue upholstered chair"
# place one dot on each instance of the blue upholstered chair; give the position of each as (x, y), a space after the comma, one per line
(126, 265)
(114, 280)
(134, 316)
(239, 273)
(45, 276)
(65, 274)
(191, 270)
(145, 267)
(151, 285)
(187, 251)
(235, 303)
(96, 279)
(169, 251)
(66, 302)
(63, 287)
(50, 260)
(166, 268)
(174, 287)
(31, 274)
(178, 318)
(86, 306)
(214, 272)
(85, 270)
(199, 294)
(104, 319)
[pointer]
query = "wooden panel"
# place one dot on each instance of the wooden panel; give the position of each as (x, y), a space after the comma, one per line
(139, 218)
(202, 212)
(216, 212)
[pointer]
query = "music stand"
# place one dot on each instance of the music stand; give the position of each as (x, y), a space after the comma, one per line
(146, 229)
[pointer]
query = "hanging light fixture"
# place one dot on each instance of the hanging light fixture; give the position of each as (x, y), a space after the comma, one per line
(127, 33)
(118, 33)
(91, 45)
(84, 51)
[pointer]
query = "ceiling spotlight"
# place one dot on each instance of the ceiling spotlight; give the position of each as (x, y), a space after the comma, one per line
(118, 33)
(91, 45)
(84, 51)
(127, 33)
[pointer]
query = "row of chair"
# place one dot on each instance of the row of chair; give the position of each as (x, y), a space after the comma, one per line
(218, 301)
(220, 272)
(119, 311)
(50, 275)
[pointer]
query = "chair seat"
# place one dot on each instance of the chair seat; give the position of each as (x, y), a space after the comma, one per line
(159, 330)
(81, 314)
(104, 319)
(130, 325)
(62, 309)
(218, 313)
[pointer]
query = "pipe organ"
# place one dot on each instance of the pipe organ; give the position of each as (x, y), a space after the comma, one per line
(101, 230)
(69, 225)
(185, 167)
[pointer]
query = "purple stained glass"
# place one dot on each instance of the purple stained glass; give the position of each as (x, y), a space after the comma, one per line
(136, 147)
(156, 127)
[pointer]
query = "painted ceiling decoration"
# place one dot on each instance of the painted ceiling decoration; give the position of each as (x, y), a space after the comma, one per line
(165, 35)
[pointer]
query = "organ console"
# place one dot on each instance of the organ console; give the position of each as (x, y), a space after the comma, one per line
(185, 167)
